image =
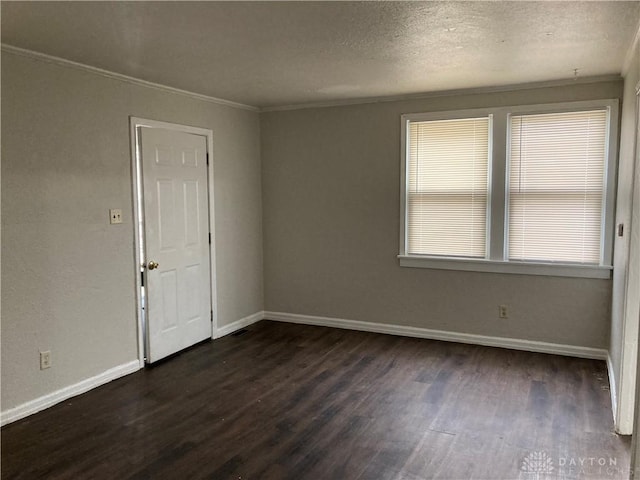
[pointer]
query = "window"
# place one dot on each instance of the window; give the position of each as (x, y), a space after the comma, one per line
(556, 173)
(516, 190)
(447, 187)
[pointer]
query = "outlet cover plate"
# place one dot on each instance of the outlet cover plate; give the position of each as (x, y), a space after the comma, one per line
(115, 216)
(45, 360)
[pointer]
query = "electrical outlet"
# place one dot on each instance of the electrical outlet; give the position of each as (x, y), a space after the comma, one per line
(115, 216)
(503, 311)
(45, 360)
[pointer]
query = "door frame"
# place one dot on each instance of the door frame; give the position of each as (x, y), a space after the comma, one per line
(624, 395)
(135, 123)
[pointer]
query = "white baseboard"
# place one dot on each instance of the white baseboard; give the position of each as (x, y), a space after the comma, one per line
(503, 342)
(238, 324)
(612, 388)
(46, 401)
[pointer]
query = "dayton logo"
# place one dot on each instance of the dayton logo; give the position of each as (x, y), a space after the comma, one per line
(537, 463)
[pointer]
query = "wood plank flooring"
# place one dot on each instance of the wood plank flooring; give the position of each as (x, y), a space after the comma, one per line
(286, 401)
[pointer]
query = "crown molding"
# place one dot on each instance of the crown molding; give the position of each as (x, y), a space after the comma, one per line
(446, 93)
(6, 48)
(630, 51)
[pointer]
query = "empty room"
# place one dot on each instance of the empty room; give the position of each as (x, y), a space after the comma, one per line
(320, 240)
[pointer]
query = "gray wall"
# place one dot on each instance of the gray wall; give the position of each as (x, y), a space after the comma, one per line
(331, 182)
(68, 276)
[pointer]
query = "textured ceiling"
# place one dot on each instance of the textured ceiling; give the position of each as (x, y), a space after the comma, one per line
(282, 53)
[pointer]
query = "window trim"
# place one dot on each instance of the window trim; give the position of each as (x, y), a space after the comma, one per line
(496, 259)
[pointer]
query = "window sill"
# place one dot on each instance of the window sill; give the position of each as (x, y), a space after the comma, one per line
(519, 268)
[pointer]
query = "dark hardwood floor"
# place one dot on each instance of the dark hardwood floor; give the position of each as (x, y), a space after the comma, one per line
(286, 401)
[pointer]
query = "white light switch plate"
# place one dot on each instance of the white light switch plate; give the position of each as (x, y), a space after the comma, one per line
(115, 216)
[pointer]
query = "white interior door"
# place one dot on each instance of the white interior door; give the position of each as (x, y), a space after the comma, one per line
(176, 239)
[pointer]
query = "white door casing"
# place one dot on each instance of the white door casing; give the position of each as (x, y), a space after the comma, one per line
(176, 237)
(625, 294)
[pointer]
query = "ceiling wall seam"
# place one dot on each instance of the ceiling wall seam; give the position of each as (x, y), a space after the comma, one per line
(6, 48)
(447, 93)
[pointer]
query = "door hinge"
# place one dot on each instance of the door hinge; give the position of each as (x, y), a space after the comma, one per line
(620, 229)
(207, 158)
(211, 316)
(209, 238)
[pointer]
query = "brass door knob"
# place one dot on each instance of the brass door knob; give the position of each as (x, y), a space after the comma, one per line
(152, 265)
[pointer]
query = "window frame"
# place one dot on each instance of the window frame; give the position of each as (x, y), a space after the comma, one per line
(496, 259)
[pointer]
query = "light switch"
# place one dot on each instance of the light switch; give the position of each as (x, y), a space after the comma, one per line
(115, 216)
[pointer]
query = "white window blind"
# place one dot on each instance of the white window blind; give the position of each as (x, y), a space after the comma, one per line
(556, 186)
(447, 187)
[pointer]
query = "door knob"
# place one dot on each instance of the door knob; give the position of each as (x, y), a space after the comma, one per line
(152, 265)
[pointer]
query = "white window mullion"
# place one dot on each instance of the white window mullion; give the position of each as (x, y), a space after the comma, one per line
(496, 204)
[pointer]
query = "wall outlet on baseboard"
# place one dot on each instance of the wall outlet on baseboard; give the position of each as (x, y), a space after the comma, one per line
(45, 360)
(503, 311)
